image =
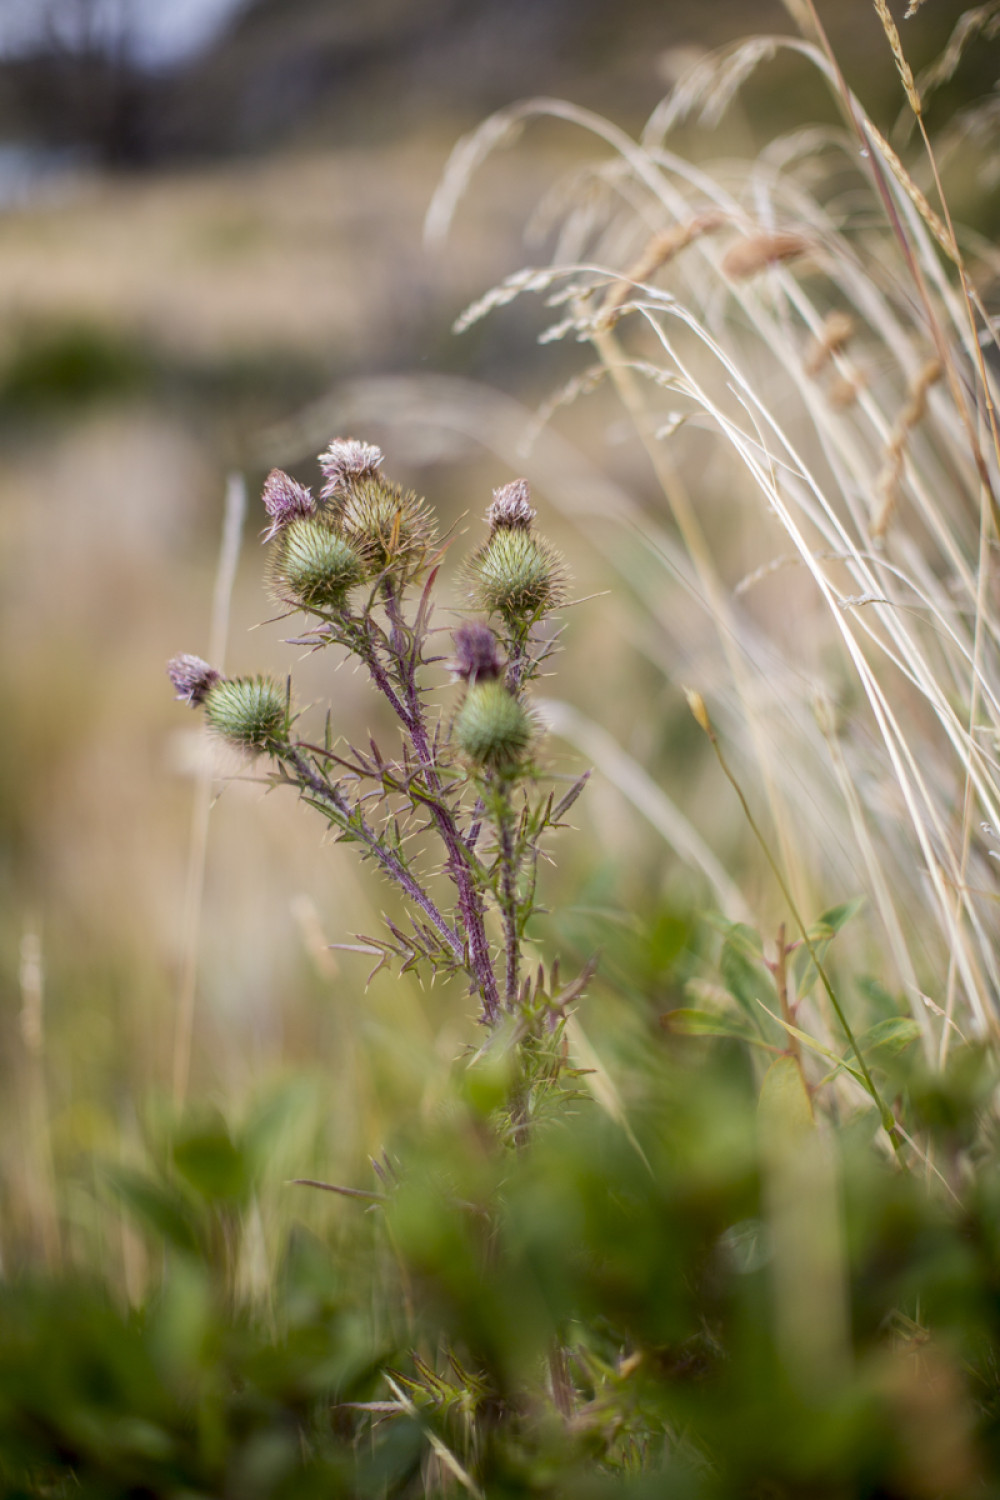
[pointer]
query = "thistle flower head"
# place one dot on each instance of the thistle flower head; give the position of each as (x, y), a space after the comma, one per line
(477, 656)
(345, 461)
(247, 711)
(285, 500)
(517, 576)
(314, 566)
(511, 507)
(192, 678)
(493, 728)
(385, 523)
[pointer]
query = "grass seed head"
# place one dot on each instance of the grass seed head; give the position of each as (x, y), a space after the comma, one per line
(493, 729)
(749, 256)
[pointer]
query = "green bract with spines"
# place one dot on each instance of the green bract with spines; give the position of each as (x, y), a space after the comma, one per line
(387, 524)
(316, 566)
(517, 576)
(247, 711)
(493, 728)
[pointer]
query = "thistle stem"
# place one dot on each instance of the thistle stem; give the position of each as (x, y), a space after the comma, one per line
(470, 901)
(389, 862)
(508, 895)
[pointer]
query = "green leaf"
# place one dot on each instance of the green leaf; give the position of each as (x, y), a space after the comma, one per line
(784, 1108)
(888, 1038)
(818, 1047)
(821, 934)
(742, 975)
(666, 939)
(838, 916)
(156, 1208)
(883, 1004)
(684, 1022)
(740, 934)
(208, 1160)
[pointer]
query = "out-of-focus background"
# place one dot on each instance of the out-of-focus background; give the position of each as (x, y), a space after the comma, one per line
(211, 259)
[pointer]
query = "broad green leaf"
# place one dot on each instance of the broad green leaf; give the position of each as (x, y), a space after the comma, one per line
(818, 1047)
(740, 934)
(743, 976)
(784, 1108)
(887, 1038)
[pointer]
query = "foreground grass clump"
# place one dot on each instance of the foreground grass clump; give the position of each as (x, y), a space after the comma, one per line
(722, 1299)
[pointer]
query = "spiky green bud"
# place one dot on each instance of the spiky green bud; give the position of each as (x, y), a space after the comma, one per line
(516, 575)
(247, 711)
(387, 524)
(315, 566)
(493, 729)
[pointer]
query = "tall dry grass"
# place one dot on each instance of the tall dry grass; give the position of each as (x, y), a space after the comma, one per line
(801, 345)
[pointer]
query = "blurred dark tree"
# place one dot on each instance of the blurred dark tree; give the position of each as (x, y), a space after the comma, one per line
(84, 75)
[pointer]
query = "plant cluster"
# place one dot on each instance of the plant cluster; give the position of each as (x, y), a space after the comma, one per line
(759, 1255)
(362, 563)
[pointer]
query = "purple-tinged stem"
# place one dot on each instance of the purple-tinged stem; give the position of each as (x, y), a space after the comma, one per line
(390, 864)
(508, 899)
(470, 902)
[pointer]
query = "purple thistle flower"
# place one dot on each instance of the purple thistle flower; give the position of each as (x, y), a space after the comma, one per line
(347, 459)
(285, 500)
(192, 678)
(477, 657)
(511, 507)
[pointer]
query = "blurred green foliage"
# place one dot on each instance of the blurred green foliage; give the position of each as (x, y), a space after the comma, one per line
(711, 1295)
(55, 368)
(67, 365)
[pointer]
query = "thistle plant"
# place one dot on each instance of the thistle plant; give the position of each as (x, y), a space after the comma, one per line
(362, 563)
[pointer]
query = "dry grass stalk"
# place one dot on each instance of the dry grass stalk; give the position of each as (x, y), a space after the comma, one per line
(38, 1155)
(912, 8)
(905, 71)
(917, 197)
(913, 412)
(655, 255)
(756, 252)
(225, 578)
(838, 329)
